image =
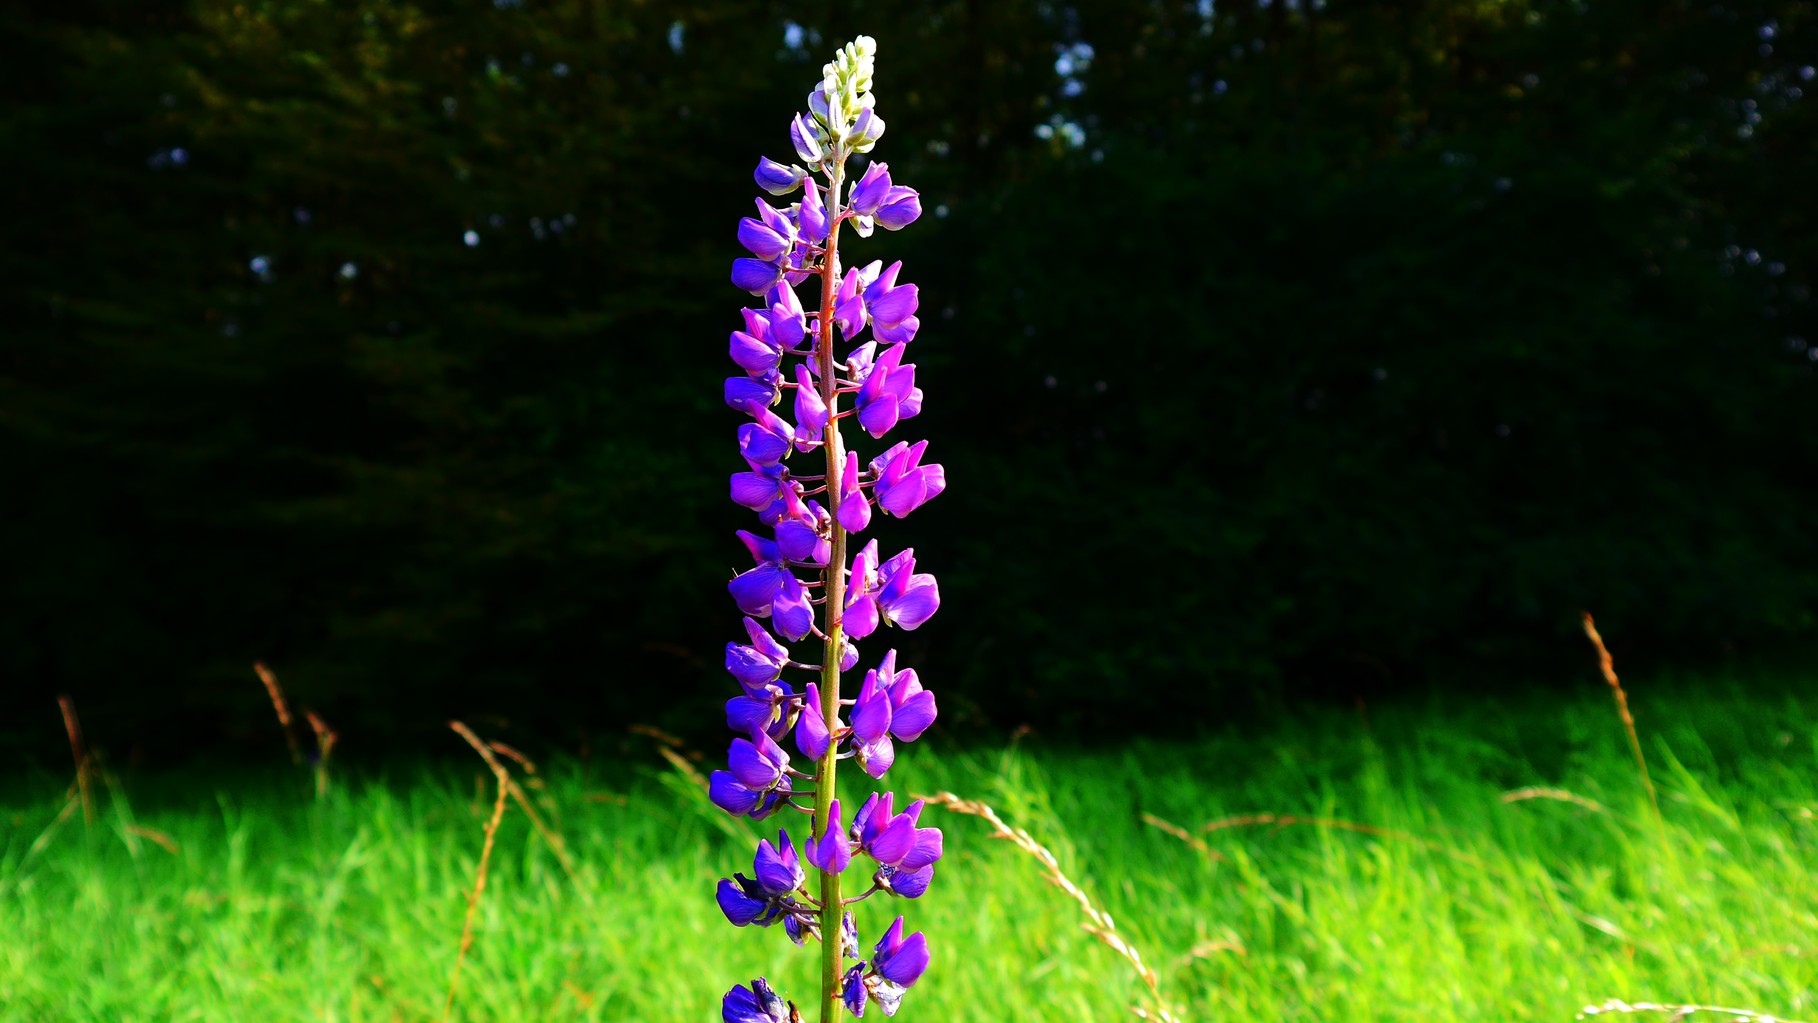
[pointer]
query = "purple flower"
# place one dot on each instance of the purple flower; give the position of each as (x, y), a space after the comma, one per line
(729, 794)
(853, 507)
(866, 129)
(903, 482)
(776, 867)
(756, 355)
(868, 193)
(769, 236)
(775, 178)
(759, 1004)
(871, 728)
(802, 537)
(751, 396)
(803, 135)
(757, 763)
(910, 884)
(755, 275)
(849, 312)
(765, 442)
(912, 708)
(786, 320)
(811, 216)
(852, 989)
(744, 904)
(900, 208)
(905, 598)
(892, 308)
(861, 617)
(770, 590)
(900, 960)
(771, 709)
(832, 851)
(881, 835)
(811, 736)
(810, 411)
(889, 394)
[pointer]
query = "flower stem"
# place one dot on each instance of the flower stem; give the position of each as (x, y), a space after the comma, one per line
(834, 577)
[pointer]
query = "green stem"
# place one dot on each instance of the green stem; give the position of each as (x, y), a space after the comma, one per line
(834, 589)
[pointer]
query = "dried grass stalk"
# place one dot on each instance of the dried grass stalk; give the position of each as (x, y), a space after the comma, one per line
(1558, 795)
(479, 876)
(1608, 665)
(1098, 922)
(1678, 1012)
(78, 750)
(276, 693)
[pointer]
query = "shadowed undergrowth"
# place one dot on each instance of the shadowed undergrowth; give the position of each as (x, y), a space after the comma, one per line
(1326, 870)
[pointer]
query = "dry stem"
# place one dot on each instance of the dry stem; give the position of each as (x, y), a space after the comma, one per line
(1608, 666)
(325, 746)
(1680, 1012)
(550, 836)
(278, 703)
(85, 768)
(1560, 795)
(1099, 923)
(479, 877)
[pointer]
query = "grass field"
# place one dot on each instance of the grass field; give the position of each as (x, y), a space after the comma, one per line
(1417, 893)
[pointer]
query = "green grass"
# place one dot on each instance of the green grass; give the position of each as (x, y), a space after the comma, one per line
(277, 907)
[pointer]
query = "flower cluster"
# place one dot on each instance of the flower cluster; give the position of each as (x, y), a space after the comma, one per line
(849, 350)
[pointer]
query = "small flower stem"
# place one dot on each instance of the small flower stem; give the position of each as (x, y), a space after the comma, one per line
(834, 576)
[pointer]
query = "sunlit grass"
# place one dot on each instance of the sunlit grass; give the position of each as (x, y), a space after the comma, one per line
(1434, 899)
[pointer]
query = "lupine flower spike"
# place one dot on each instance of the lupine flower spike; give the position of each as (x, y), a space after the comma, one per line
(853, 345)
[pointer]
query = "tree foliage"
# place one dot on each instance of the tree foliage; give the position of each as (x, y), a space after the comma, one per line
(1273, 342)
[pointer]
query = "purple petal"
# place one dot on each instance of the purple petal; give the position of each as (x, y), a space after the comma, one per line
(750, 767)
(912, 718)
(755, 591)
(755, 275)
(871, 712)
(811, 216)
(928, 846)
(876, 757)
(775, 178)
(861, 617)
(871, 189)
(811, 737)
(900, 209)
(801, 134)
(739, 908)
(776, 868)
(917, 604)
(793, 615)
(753, 490)
(852, 990)
(895, 305)
(905, 965)
(763, 242)
(754, 355)
(726, 793)
(901, 332)
(910, 884)
(894, 842)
